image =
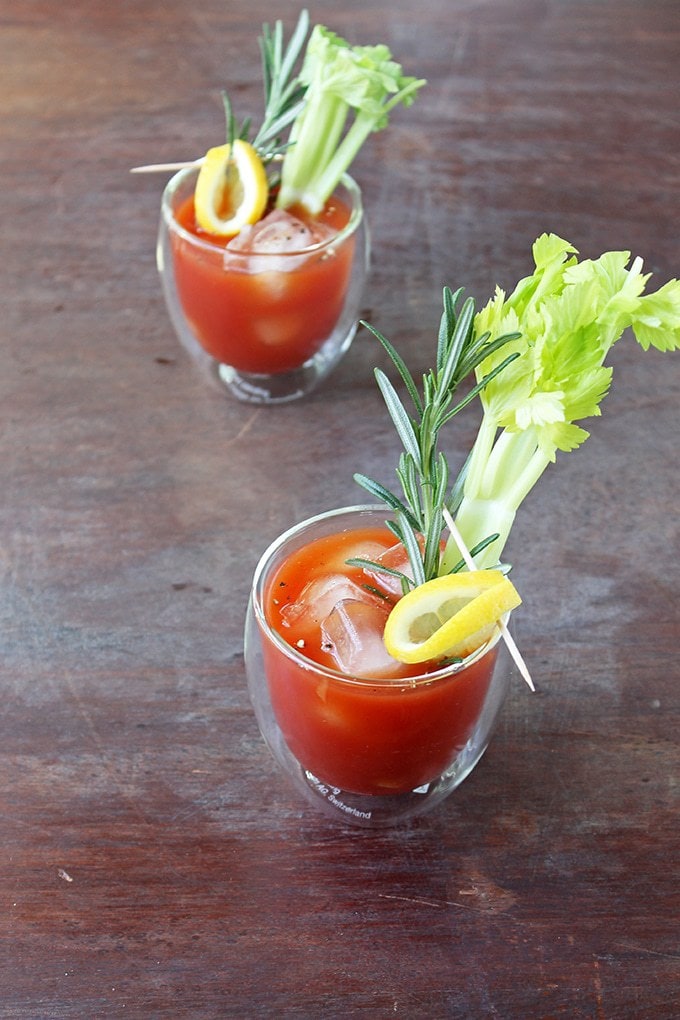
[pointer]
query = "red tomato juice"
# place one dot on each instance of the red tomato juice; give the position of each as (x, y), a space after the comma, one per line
(269, 321)
(365, 736)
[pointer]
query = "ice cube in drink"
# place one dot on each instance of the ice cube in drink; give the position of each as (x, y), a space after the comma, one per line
(352, 636)
(395, 558)
(319, 597)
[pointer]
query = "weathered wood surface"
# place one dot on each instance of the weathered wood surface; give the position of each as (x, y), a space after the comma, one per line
(152, 862)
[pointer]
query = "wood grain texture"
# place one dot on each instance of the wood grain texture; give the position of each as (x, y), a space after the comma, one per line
(152, 861)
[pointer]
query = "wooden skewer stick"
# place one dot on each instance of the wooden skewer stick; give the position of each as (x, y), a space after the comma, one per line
(505, 633)
(159, 168)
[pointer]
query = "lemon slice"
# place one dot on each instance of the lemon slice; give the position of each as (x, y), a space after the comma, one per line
(231, 190)
(448, 617)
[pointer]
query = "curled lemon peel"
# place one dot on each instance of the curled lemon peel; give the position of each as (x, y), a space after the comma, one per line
(449, 617)
(231, 189)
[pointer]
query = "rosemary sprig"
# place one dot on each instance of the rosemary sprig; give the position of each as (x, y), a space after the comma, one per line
(423, 471)
(283, 92)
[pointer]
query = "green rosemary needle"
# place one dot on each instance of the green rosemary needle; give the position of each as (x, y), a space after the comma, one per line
(283, 91)
(423, 471)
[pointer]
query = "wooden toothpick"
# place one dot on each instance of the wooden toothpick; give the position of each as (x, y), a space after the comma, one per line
(505, 633)
(160, 168)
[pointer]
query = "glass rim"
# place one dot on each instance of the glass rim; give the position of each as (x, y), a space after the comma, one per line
(183, 176)
(303, 661)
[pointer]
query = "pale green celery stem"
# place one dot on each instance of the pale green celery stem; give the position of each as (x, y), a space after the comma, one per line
(509, 459)
(315, 138)
(481, 451)
(364, 124)
(489, 505)
(476, 519)
(525, 482)
(344, 156)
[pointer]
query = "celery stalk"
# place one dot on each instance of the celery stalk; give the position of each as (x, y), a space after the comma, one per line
(346, 87)
(569, 315)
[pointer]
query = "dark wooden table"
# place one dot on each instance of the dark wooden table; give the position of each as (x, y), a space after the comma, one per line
(153, 863)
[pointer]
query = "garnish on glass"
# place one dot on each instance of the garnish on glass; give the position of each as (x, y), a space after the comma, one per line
(538, 358)
(316, 120)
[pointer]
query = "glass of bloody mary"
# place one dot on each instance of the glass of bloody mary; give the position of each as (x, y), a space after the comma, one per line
(369, 740)
(267, 317)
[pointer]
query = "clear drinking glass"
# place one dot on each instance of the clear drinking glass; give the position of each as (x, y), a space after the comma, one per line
(268, 326)
(368, 752)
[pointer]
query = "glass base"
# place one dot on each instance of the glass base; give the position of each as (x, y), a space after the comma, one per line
(256, 388)
(381, 812)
